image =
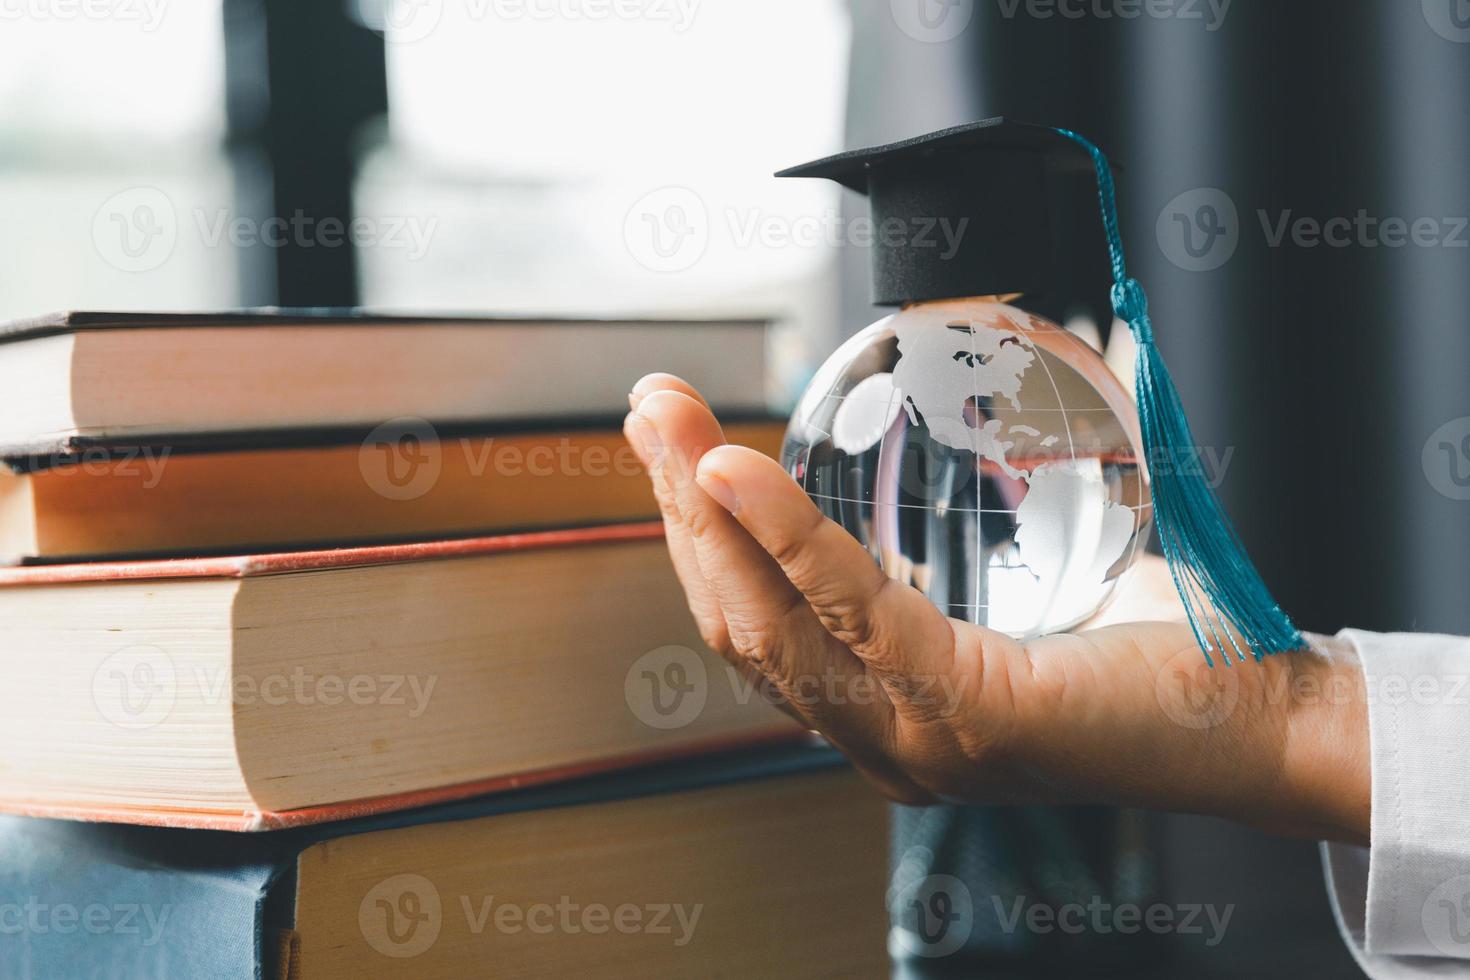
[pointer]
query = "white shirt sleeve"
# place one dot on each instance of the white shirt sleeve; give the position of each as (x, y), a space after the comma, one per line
(1403, 904)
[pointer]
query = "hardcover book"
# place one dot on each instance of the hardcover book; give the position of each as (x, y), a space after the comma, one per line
(252, 693)
(757, 864)
(74, 380)
(402, 481)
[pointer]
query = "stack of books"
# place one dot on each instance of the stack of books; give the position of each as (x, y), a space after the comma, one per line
(346, 646)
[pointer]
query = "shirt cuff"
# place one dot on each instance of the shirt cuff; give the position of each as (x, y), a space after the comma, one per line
(1404, 905)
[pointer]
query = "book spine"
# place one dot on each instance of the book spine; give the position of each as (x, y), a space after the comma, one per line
(79, 900)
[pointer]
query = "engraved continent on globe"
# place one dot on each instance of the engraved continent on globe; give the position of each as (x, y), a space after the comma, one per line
(983, 455)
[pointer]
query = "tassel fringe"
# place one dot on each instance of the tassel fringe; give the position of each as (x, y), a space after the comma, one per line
(1229, 607)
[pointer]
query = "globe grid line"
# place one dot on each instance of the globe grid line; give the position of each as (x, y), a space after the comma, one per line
(853, 441)
(958, 510)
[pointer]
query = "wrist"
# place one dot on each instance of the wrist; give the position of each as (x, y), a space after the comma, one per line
(1326, 763)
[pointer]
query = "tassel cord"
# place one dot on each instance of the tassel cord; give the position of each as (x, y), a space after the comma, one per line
(1222, 592)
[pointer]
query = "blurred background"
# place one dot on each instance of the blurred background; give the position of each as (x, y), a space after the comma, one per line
(1294, 197)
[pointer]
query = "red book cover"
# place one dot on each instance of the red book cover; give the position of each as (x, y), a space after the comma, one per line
(254, 821)
(305, 561)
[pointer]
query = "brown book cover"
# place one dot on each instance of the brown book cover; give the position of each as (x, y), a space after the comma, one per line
(404, 483)
(72, 321)
(78, 380)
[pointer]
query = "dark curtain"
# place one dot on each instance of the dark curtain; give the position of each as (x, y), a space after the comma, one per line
(1326, 376)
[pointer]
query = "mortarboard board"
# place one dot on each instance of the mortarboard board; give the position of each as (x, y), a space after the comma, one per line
(995, 184)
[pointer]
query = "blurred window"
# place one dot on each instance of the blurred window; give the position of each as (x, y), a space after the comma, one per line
(112, 122)
(568, 157)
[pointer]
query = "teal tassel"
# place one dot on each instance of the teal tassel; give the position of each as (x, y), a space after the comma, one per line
(1220, 586)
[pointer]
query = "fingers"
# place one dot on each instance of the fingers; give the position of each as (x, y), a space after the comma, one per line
(769, 623)
(893, 628)
(702, 603)
(650, 383)
(644, 440)
(766, 618)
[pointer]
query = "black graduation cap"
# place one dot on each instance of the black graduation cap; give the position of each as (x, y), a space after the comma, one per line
(1009, 191)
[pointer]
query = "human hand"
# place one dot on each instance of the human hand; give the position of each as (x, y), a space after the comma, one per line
(929, 708)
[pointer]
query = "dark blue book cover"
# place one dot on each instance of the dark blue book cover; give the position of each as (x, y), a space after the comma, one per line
(83, 901)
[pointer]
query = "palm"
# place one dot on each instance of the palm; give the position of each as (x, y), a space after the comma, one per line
(1122, 711)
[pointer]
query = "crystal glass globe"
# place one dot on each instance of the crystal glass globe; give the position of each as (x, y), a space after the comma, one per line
(983, 455)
